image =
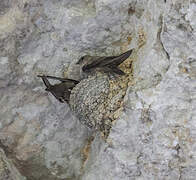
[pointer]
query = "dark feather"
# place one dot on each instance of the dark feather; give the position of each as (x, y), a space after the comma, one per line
(107, 61)
(117, 71)
(62, 90)
(60, 79)
(45, 80)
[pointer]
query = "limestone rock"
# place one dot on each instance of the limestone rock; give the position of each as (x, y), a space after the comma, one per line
(154, 137)
(7, 169)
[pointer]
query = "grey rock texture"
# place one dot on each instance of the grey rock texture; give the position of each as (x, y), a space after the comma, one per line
(154, 137)
(7, 169)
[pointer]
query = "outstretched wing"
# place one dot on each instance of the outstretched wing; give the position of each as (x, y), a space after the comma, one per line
(108, 61)
(62, 79)
(119, 59)
(62, 90)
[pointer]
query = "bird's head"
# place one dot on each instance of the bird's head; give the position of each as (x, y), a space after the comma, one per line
(83, 60)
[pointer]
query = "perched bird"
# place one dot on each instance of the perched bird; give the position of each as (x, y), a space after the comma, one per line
(62, 90)
(106, 64)
(95, 99)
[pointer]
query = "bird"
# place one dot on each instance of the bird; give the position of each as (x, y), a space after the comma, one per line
(60, 91)
(106, 64)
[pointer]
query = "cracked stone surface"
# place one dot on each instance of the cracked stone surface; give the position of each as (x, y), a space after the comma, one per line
(154, 137)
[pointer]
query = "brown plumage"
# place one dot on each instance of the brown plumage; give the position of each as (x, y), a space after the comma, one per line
(107, 64)
(60, 91)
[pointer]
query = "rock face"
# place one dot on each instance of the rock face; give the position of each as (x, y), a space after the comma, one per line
(154, 137)
(7, 169)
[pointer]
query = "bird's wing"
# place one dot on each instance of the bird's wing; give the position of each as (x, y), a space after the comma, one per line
(106, 61)
(117, 70)
(45, 80)
(56, 96)
(98, 62)
(61, 91)
(117, 60)
(61, 79)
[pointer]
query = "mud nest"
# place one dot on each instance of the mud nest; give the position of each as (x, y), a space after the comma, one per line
(98, 100)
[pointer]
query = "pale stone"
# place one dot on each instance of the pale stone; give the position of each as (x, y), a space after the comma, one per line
(7, 169)
(155, 136)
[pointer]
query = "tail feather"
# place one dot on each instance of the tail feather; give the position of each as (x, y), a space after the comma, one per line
(117, 71)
